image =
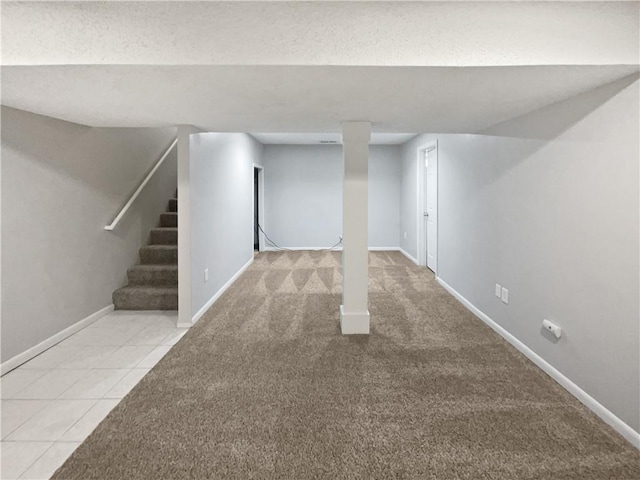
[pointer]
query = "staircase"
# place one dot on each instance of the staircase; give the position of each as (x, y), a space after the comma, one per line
(153, 284)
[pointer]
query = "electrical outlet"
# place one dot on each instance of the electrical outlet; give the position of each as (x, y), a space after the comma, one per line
(505, 296)
(552, 327)
(206, 274)
(405, 235)
(498, 290)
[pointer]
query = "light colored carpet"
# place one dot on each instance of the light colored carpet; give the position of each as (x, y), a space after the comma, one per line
(265, 387)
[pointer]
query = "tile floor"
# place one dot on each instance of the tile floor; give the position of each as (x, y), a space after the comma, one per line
(53, 402)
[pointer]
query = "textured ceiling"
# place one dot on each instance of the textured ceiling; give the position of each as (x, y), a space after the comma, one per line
(296, 99)
(308, 66)
(320, 33)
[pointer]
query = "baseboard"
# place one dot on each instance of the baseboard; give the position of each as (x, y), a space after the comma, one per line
(53, 340)
(406, 254)
(354, 323)
(217, 295)
(591, 403)
(273, 249)
(336, 249)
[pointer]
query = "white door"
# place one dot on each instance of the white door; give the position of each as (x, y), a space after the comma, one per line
(431, 214)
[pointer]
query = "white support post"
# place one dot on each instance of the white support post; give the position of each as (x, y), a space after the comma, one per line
(354, 311)
(184, 226)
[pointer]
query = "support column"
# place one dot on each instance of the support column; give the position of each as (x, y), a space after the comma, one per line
(354, 311)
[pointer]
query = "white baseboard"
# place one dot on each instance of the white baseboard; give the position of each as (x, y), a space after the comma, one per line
(336, 249)
(53, 340)
(217, 295)
(591, 403)
(406, 254)
(354, 323)
(273, 249)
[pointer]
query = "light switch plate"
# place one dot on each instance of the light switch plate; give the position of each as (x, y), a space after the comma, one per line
(498, 290)
(505, 295)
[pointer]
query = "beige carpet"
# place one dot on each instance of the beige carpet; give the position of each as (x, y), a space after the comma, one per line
(265, 387)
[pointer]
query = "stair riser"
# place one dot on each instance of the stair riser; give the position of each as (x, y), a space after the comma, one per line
(164, 237)
(168, 220)
(173, 205)
(145, 302)
(159, 257)
(153, 279)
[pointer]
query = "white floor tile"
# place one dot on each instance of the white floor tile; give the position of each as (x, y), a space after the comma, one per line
(50, 461)
(16, 412)
(151, 335)
(51, 384)
(19, 456)
(17, 380)
(70, 357)
(114, 320)
(52, 421)
(139, 319)
(154, 357)
(127, 356)
(95, 383)
(102, 336)
(127, 383)
(49, 359)
(83, 427)
(174, 336)
(96, 366)
(87, 356)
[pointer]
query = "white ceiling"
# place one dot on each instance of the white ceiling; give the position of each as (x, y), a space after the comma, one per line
(308, 66)
(320, 33)
(296, 99)
(318, 138)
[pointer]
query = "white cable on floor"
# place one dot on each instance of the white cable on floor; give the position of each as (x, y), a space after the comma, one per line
(278, 247)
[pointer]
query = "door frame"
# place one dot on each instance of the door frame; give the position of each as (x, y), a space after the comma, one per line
(422, 202)
(260, 169)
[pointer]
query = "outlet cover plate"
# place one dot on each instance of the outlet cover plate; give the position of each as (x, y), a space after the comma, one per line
(505, 296)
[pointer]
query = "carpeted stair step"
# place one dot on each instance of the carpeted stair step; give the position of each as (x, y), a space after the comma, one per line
(169, 219)
(173, 205)
(159, 254)
(145, 298)
(153, 275)
(164, 236)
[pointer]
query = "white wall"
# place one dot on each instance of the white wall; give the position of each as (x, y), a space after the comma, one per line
(221, 209)
(547, 206)
(303, 195)
(61, 184)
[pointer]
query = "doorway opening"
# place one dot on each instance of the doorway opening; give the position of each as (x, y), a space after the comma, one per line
(258, 207)
(428, 206)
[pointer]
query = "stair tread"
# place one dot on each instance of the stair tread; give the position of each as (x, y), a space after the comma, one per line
(148, 289)
(166, 229)
(155, 266)
(160, 247)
